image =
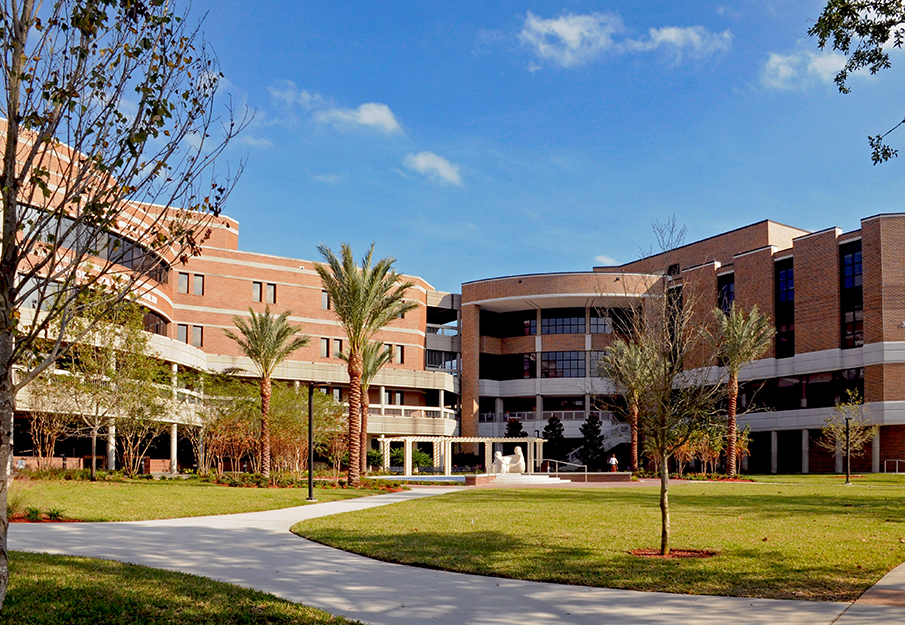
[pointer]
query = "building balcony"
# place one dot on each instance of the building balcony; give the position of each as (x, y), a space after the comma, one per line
(395, 420)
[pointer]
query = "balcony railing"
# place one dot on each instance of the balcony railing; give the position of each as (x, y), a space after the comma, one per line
(423, 412)
(606, 418)
(442, 330)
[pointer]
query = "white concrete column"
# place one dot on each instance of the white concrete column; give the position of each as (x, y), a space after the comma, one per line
(407, 454)
(447, 458)
(488, 456)
(438, 454)
(774, 451)
(539, 411)
(111, 447)
(875, 455)
(498, 412)
(539, 454)
(529, 464)
(174, 380)
(383, 399)
(805, 451)
(442, 394)
(385, 453)
(174, 447)
(840, 457)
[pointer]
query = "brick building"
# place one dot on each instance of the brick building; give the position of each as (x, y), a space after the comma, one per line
(530, 343)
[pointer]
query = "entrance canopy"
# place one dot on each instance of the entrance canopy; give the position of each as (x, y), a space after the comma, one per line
(443, 450)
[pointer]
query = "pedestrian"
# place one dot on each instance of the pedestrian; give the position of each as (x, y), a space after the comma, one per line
(614, 464)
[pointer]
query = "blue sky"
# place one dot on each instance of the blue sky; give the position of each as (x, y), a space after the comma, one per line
(478, 139)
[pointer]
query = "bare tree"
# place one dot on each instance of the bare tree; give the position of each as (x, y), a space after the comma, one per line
(50, 419)
(109, 117)
(860, 433)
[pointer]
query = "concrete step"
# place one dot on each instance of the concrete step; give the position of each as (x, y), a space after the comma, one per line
(525, 478)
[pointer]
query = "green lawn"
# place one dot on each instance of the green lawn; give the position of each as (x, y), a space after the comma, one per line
(813, 541)
(144, 499)
(58, 590)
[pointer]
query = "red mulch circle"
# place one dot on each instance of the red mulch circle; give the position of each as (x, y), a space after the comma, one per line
(674, 553)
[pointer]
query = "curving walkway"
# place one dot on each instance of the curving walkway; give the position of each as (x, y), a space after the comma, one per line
(256, 550)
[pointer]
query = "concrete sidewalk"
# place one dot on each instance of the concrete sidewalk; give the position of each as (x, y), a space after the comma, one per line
(256, 550)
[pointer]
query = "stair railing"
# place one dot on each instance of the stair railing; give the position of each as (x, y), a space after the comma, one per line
(556, 464)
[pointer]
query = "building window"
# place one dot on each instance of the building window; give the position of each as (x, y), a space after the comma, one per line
(593, 358)
(182, 333)
(183, 286)
(197, 336)
(395, 398)
(725, 285)
(325, 300)
(601, 323)
(400, 355)
(562, 364)
(154, 323)
(562, 321)
(198, 285)
(271, 294)
(325, 348)
(337, 347)
(256, 291)
(436, 359)
(851, 295)
(784, 301)
(338, 393)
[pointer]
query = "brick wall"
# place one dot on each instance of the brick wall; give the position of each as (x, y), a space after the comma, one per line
(892, 444)
(817, 325)
(754, 278)
(471, 349)
(882, 242)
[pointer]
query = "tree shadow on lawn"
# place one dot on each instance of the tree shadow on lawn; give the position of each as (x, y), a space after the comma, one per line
(739, 572)
(50, 590)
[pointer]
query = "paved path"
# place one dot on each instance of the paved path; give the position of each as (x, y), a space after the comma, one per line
(256, 550)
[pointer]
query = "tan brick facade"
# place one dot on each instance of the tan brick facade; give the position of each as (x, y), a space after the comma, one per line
(817, 291)
(754, 286)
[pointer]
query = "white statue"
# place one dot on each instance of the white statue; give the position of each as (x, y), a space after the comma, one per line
(508, 464)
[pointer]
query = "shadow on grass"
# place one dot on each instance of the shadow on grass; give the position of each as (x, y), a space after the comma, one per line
(52, 590)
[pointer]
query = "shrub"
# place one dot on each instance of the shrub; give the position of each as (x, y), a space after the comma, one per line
(32, 514)
(419, 458)
(375, 458)
(16, 498)
(55, 514)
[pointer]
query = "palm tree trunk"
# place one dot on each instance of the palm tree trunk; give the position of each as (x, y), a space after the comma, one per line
(355, 369)
(664, 506)
(730, 447)
(633, 422)
(265, 430)
(365, 407)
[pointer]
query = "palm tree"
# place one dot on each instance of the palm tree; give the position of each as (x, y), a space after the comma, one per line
(374, 356)
(627, 364)
(365, 299)
(267, 340)
(740, 339)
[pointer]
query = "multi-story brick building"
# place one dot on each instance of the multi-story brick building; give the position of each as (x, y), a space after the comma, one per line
(529, 343)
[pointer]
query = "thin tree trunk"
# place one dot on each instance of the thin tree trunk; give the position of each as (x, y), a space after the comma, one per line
(365, 407)
(633, 422)
(93, 454)
(664, 506)
(265, 429)
(355, 369)
(731, 434)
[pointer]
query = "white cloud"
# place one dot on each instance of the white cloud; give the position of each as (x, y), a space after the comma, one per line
(255, 142)
(327, 178)
(571, 40)
(799, 69)
(287, 93)
(606, 261)
(372, 114)
(433, 166)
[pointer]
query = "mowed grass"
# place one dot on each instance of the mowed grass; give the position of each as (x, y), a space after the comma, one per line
(813, 541)
(145, 499)
(57, 590)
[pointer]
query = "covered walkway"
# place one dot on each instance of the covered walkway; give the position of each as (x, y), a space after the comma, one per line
(443, 450)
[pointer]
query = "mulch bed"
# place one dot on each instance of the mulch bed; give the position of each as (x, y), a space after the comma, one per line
(674, 553)
(22, 519)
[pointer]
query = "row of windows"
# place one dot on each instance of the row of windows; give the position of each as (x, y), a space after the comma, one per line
(184, 332)
(266, 293)
(196, 281)
(325, 348)
(557, 321)
(567, 364)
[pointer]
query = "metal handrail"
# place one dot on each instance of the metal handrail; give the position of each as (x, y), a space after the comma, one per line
(571, 464)
(891, 460)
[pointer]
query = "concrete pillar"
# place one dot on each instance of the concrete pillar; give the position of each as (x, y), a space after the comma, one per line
(488, 456)
(111, 447)
(539, 411)
(438, 453)
(587, 406)
(407, 454)
(383, 399)
(529, 461)
(174, 380)
(875, 455)
(447, 458)
(497, 419)
(774, 451)
(174, 446)
(805, 451)
(385, 453)
(442, 400)
(840, 457)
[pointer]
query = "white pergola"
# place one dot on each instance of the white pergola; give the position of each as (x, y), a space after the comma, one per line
(443, 449)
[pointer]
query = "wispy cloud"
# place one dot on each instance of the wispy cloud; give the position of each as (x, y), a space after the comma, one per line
(606, 261)
(327, 178)
(433, 166)
(374, 115)
(371, 114)
(800, 69)
(571, 40)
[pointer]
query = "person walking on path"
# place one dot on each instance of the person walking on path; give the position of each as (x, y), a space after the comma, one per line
(614, 464)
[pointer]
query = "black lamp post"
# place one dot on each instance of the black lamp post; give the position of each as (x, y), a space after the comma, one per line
(311, 386)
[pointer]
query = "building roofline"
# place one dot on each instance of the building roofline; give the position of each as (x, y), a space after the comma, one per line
(563, 273)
